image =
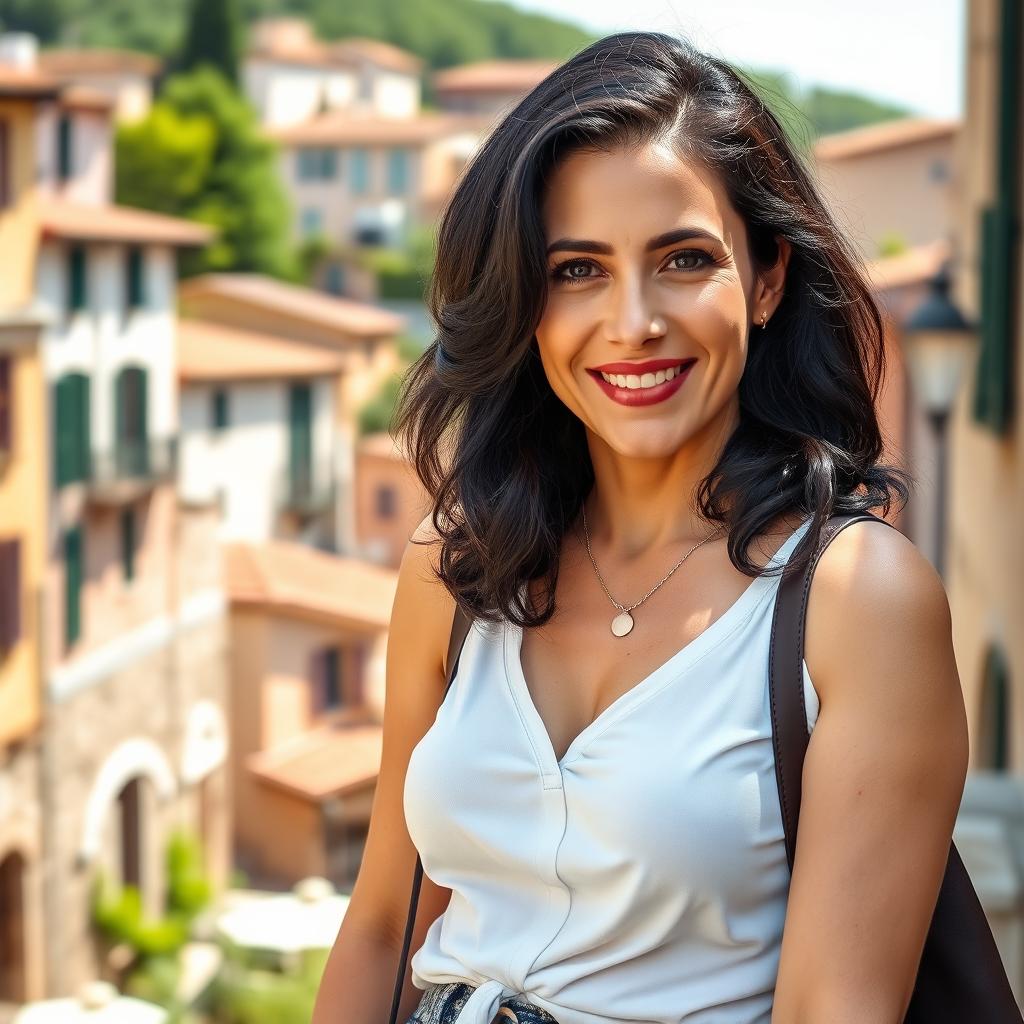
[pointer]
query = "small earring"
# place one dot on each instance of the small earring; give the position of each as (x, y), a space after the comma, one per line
(764, 318)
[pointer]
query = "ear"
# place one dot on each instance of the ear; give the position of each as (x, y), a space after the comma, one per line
(771, 284)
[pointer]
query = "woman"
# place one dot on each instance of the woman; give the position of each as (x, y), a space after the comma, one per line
(655, 352)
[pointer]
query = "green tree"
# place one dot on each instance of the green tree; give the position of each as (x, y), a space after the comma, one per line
(213, 36)
(200, 154)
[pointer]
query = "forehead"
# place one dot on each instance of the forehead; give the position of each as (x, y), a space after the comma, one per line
(626, 196)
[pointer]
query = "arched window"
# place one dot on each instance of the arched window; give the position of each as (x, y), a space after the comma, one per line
(130, 422)
(994, 714)
(12, 929)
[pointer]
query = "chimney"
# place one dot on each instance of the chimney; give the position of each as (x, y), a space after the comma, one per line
(19, 50)
(281, 35)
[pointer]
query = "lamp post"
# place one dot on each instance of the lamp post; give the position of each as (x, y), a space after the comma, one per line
(937, 339)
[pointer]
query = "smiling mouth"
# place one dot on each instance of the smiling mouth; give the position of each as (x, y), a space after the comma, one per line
(638, 382)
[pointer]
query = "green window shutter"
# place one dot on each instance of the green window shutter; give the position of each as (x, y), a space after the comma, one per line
(65, 139)
(994, 397)
(994, 738)
(130, 426)
(71, 429)
(300, 422)
(128, 542)
(77, 267)
(135, 294)
(73, 575)
(220, 409)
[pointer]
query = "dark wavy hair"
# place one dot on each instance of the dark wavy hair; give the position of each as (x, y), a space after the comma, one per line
(505, 463)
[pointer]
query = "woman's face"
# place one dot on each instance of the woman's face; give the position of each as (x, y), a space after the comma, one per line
(689, 300)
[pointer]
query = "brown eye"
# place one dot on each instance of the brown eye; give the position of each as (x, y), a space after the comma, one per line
(699, 254)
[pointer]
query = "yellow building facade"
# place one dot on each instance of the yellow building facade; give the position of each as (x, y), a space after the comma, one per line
(22, 547)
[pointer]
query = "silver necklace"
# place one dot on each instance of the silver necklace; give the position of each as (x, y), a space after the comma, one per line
(623, 622)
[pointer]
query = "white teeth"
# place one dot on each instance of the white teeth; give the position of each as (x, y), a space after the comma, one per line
(648, 380)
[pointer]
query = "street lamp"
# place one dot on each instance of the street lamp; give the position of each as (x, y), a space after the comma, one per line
(937, 340)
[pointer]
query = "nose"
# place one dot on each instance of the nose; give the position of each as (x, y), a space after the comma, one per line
(632, 319)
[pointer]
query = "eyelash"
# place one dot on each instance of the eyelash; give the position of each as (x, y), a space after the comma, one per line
(556, 273)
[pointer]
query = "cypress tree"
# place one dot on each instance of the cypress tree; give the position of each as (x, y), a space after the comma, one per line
(213, 36)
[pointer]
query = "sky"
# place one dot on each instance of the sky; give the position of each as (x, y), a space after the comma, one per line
(907, 51)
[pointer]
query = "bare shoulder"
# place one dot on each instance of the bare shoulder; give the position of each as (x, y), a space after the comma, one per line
(882, 780)
(426, 609)
(874, 599)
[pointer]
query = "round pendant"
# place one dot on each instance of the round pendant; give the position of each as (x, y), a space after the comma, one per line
(622, 623)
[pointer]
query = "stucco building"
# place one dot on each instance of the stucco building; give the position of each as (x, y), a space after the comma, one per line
(309, 643)
(22, 548)
(272, 379)
(289, 75)
(122, 596)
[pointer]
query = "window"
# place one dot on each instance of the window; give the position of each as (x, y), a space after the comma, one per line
(6, 407)
(128, 544)
(994, 733)
(73, 574)
(398, 171)
(10, 593)
(65, 147)
(219, 409)
(316, 163)
(359, 171)
(312, 222)
(131, 439)
(300, 440)
(335, 279)
(71, 429)
(5, 163)
(135, 283)
(938, 171)
(385, 500)
(336, 678)
(78, 272)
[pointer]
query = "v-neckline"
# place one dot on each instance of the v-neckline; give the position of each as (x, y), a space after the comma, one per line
(671, 668)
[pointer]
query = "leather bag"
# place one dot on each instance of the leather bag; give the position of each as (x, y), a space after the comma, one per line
(960, 978)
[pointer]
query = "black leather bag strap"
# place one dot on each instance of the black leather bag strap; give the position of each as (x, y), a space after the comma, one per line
(786, 676)
(460, 630)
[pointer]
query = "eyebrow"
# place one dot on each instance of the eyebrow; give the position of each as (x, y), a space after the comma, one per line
(658, 242)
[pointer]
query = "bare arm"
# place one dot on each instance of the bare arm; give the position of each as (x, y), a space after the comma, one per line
(882, 783)
(358, 981)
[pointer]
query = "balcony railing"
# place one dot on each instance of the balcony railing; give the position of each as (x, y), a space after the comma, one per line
(131, 467)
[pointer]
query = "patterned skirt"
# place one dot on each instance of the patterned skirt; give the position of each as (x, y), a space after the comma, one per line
(441, 1004)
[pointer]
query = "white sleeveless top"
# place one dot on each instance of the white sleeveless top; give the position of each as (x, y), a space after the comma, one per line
(642, 877)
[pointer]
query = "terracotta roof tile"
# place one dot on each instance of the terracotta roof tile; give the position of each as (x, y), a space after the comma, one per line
(493, 76)
(16, 82)
(343, 127)
(325, 762)
(68, 61)
(103, 222)
(84, 97)
(299, 580)
(871, 138)
(348, 316)
(914, 266)
(378, 52)
(379, 443)
(212, 351)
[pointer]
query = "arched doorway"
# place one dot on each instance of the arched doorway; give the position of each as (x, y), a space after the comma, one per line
(129, 806)
(12, 929)
(994, 747)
